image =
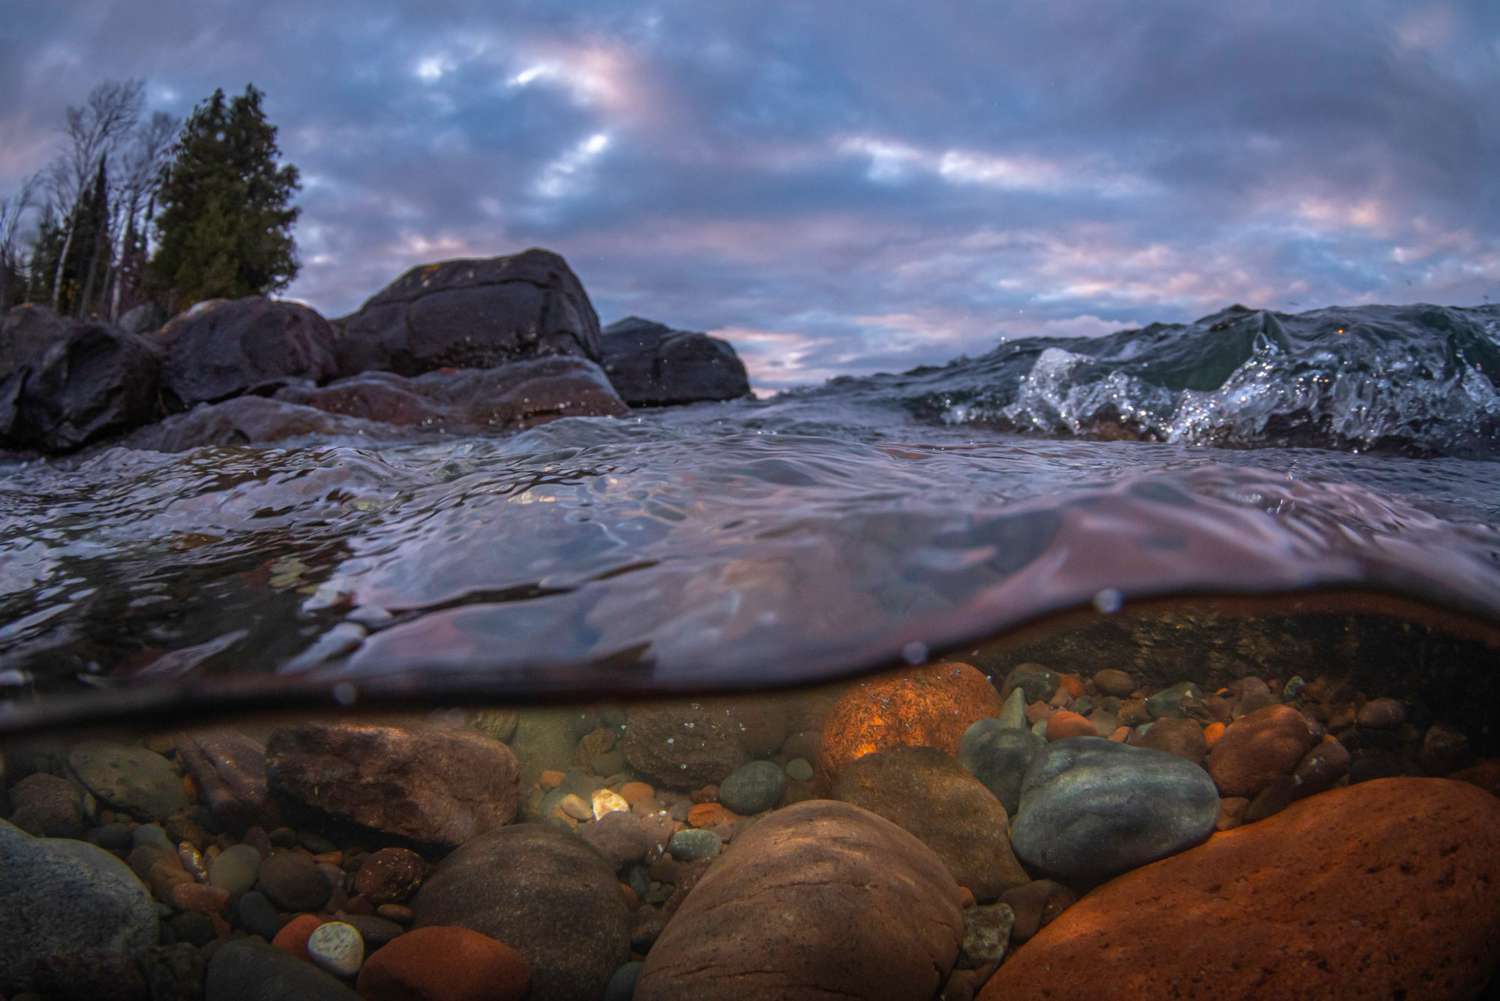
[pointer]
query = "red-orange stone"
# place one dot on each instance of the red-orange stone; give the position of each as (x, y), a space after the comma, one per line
(1212, 733)
(294, 934)
(925, 707)
(1258, 748)
(445, 963)
(1378, 890)
(1064, 724)
(1071, 683)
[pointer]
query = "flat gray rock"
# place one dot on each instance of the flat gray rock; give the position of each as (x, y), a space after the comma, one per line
(129, 778)
(246, 970)
(1092, 808)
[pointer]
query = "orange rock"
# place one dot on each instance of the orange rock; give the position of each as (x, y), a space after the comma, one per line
(1121, 734)
(294, 934)
(1064, 724)
(199, 897)
(550, 779)
(1485, 775)
(711, 815)
(1073, 683)
(1038, 711)
(637, 792)
(966, 897)
(1376, 890)
(925, 707)
(1212, 733)
(1259, 747)
(445, 963)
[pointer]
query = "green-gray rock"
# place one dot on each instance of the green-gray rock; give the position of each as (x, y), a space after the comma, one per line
(246, 970)
(986, 934)
(753, 787)
(235, 870)
(65, 898)
(999, 755)
(1013, 712)
(691, 844)
(133, 779)
(1168, 703)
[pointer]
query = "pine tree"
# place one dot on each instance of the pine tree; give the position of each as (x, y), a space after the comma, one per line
(225, 219)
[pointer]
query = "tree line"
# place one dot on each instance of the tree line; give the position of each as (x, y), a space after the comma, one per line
(139, 208)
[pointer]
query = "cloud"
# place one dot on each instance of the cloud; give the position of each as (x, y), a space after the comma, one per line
(840, 193)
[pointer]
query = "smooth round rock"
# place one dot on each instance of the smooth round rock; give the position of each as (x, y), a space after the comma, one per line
(1093, 808)
(445, 963)
(799, 769)
(236, 869)
(998, 756)
(1113, 681)
(621, 986)
(691, 844)
(1037, 681)
(258, 916)
(753, 788)
(1169, 702)
(129, 778)
(247, 970)
(1375, 891)
(1382, 714)
(390, 875)
(338, 947)
(1257, 748)
(47, 806)
(293, 882)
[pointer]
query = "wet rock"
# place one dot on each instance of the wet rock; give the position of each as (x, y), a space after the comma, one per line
(1370, 763)
(390, 875)
(230, 769)
(245, 420)
(93, 382)
(445, 964)
(817, 899)
(258, 916)
(1037, 682)
(293, 881)
(246, 970)
(62, 898)
(338, 947)
(47, 806)
(627, 838)
(998, 756)
(933, 797)
(987, 930)
(1444, 750)
(1285, 908)
(924, 707)
(472, 313)
(235, 870)
(90, 976)
(1182, 737)
(1064, 724)
(1013, 710)
(1321, 768)
(129, 778)
(1169, 703)
(753, 787)
(692, 844)
(431, 786)
(143, 319)
(293, 936)
(26, 332)
(621, 986)
(1382, 714)
(174, 972)
(545, 893)
(1249, 695)
(684, 745)
(522, 394)
(1034, 905)
(1112, 681)
(652, 365)
(1258, 748)
(1091, 808)
(376, 931)
(249, 345)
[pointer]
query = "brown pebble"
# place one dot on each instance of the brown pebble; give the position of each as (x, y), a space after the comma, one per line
(399, 913)
(1035, 904)
(707, 794)
(551, 779)
(1382, 714)
(1231, 812)
(1112, 681)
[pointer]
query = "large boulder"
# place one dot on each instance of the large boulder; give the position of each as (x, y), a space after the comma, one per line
(543, 892)
(92, 382)
(519, 395)
(653, 365)
(230, 769)
(821, 899)
(926, 792)
(686, 744)
(252, 345)
(1380, 890)
(247, 420)
(247, 970)
(1092, 808)
(25, 333)
(471, 313)
(128, 777)
(1259, 748)
(425, 785)
(61, 900)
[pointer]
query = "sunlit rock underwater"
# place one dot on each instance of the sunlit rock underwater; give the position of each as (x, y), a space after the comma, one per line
(417, 659)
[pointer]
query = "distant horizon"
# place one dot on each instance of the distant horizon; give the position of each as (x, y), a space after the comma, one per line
(842, 195)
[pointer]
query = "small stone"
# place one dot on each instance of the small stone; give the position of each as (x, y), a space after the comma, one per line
(1322, 767)
(621, 986)
(390, 875)
(1035, 904)
(986, 933)
(1232, 811)
(1013, 712)
(337, 947)
(1182, 737)
(1382, 714)
(114, 836)
(315, 843)
(293, 882)
(694, 843)
(293, 936)
(551, 779)
(199, 898)
(753, 788)
(800, 769)
(245, 970)
(1064, 724)
(1037, 681)
(375, 931)
(605, 801)
(1112, 681)
(574, 806)
(636, 793)
(1169, 702)
(399, 913)
(258, 916)
(152, 834)
(1444, 750)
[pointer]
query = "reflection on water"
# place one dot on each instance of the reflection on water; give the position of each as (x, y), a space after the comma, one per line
(1306, 789)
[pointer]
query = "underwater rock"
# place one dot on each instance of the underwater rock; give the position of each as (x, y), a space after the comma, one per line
(61, 898)
(471, 313)
(134, 779)
(818, 899)
(1113, 681)
(26, 332)
(686, 745)
(1064, 724)
(390, 875)
(928, 794)
(428, 785)
(245, 420)
(999, 755)
(1035, 905)
(230, 769)
(925, 707)
(293, 881)
(1036, 681)
(652, 365)
(338, 947)
(1180, 736)
(753, 787)
(545, 893)
(1365, 892)
(987, 930)
(47, 806)
(228, 348)
(693, 844)
(445, 963)
(247, 970)
(1092, 808)
(625, 838)
(1172, 702)
(1259, 747)
(236, 869)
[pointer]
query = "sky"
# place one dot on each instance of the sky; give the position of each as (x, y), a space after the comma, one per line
(844, 187)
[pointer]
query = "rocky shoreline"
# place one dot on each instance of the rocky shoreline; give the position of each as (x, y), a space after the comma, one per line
(933, 833)
(457, 347)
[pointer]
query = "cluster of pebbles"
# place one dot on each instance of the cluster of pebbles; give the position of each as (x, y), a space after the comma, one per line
(931, 833)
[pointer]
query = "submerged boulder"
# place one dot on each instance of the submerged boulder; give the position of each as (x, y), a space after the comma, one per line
(222, 349)
(92, 382)
(247, 420)
(653, 365)
(471, 313)
(821, 899)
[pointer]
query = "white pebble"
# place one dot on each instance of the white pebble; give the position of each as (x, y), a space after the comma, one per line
(338, 948)
(609, 801)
